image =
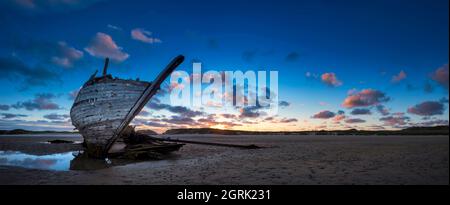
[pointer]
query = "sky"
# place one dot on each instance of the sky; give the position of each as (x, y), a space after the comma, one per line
(342, 64)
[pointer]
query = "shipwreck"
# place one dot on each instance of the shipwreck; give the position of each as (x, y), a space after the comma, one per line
(105, 106)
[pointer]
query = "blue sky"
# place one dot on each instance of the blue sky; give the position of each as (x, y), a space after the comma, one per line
(325, 52)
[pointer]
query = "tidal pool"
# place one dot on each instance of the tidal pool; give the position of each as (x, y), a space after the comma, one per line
(57, 162)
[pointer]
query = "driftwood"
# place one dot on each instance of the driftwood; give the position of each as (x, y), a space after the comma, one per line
(60, 141)
(147, 151)
(140, 146)
(251, 146)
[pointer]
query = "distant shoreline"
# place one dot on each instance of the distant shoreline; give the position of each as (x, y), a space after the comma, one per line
(436, 130)
(21, 131)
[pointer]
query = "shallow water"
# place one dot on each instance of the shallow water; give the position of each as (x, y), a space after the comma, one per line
(66, 161)
(57, 162)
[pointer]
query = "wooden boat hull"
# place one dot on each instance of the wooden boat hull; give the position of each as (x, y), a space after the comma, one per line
(101, 107)
(105, 106)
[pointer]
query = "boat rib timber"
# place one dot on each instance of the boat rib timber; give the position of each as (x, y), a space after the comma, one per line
(104, 106)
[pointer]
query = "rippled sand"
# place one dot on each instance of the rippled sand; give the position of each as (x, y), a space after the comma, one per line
(289, 159)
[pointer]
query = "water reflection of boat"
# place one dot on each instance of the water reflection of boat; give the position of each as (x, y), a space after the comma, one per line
(105, 106)
(83, 162)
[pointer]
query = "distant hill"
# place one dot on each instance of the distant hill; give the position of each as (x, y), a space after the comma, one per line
(21, 131)
(147, 132)
(437, 130)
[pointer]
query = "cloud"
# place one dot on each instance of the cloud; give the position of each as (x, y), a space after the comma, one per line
(102, 46)
(366, 97)
(228, 116)
(292, 56)
(442, 100)
(211, 121)
(441, 76)
(284, 103)
(181, 110)
(324, 115)
(16, 71)
(10, 116)
(42, 101)
(354, 120)
(48, 52)
(36, 124)
(331, 80)
(382, 110)
(4, 107)
(352, 91)
(427, 108)
(144, 113)
(150, 123)
(430, 123)
(288, 120)
(397, 119)
(250, 112)
(184, 111)
(67, 55)
(399, 77)
(361, 111)
(144, 36)
(339, 117)
(113, 27)
(180, 120)
(311, 75)
(55, 116)
(73, 94)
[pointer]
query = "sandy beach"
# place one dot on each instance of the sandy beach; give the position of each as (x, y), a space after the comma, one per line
(287, 159)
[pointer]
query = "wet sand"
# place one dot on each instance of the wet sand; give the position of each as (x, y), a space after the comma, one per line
(289, 159)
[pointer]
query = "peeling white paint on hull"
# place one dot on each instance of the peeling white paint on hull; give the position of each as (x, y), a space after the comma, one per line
(101, 107)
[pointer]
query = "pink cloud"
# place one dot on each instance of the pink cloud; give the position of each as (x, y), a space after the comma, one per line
(331, 80)
(366, 97)
(399, 77)
(102, 46)
(441, 76)
(339, 118)
(144, 36)
(352, 91)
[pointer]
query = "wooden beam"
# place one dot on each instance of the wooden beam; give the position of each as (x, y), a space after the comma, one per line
(146, 96)
(251, 146)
